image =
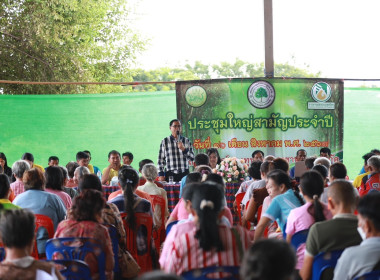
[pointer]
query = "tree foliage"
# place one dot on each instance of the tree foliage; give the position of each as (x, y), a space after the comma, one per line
(238, 69)
(65, 40)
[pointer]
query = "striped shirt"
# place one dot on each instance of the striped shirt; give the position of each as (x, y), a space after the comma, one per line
(171, 157)
(183, 252)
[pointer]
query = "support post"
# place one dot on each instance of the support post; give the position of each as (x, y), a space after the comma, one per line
(268, 33)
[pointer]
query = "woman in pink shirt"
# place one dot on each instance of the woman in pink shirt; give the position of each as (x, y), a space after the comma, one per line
(301, 218)
(54, 179)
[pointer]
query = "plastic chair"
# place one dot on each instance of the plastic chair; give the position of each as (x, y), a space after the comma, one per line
(76, 248)
(373, 275)
(143, 257)
(158, 202)
(228, 273)
(239, 197)
(2, 254)
(42, 221)
(169, 227)
(324, 261)
(73, 269)
(299, 238)
(115, 246)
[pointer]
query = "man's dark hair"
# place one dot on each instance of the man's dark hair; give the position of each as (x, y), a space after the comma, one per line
(257, 151)
(28, 156)
(53, 158)
(367, 156)
(17, 228)
(128, 154)
(338, 170)
(322, 170)
(201, 159)
(309, 162)
(175, 120)
(325, 150)
(369, 208)
(87, 152)
(301, 150)
(143, 162)
(113, 152)
(254, 169)
(375, 151)
(82, 155)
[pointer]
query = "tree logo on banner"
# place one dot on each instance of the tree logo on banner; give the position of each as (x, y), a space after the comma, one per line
(261, 94)
(196, 96)
(321, 92)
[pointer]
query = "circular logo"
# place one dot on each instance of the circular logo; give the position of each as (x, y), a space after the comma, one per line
(196, 96)
(261, 94)
(321, 92)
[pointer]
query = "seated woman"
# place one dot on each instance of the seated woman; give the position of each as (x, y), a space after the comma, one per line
(130, 203)
(150, 173)
(301, 218)
(39, 201)
(4, 164)
(85, 221)
(207, 241)
(180, 213)
(72, 192)
(214, 157)
(54, 178)
(110, 213)
(5, 190)
(17, 234)
(71, 166)
(18, 169)
(285, 199)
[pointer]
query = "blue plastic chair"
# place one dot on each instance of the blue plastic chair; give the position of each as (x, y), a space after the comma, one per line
(299, 238)
(2, 254)
(232, 273)
(115, 246)
(73, 269)
(76, 248)
(324, 261)
(169, 227)
(373, 275)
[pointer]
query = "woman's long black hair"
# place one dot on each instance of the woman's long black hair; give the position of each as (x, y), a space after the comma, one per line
(207, 201)
(312, 184)
(129, 179)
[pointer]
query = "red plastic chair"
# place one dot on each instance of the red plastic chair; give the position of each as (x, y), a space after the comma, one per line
(143, 258)
(238, 200)
(259, 210)
(158, 202)
(44, 222)
(248, 225)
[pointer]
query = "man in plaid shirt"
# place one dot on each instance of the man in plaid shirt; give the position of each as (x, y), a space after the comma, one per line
(175, 153)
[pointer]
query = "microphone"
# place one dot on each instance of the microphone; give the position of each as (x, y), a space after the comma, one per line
(178, 136)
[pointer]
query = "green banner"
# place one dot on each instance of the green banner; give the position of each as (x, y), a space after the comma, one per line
(278, 116)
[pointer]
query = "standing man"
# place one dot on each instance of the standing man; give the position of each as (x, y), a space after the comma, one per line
(175, 153)
(111, 170)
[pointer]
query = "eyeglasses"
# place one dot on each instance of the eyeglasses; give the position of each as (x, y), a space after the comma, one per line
(176, 126)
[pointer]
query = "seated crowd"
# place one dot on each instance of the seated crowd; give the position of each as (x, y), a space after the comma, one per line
(276, 204)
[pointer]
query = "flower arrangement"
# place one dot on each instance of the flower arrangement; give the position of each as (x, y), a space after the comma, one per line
(232, 170)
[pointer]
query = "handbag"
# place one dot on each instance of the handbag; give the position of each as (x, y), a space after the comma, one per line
(128, 265)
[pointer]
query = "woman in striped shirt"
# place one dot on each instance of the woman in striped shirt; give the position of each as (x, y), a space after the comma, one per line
(204, 241)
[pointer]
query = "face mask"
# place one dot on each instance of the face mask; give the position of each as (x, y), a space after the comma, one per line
(362, 233)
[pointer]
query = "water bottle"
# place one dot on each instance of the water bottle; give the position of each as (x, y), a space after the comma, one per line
(99, 174)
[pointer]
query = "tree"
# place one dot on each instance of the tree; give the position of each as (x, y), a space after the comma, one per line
(199, 71)
(65, 40)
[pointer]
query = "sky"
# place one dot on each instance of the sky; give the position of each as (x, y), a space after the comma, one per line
(338, 38)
